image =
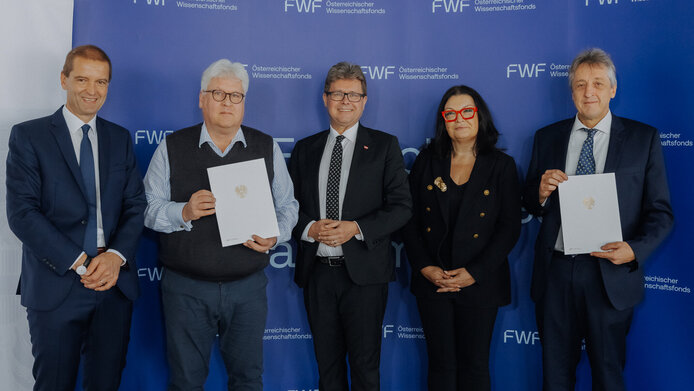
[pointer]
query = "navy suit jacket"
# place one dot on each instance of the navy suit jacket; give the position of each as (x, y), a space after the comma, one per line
(377, 197)
(47, 207)
(635, 156)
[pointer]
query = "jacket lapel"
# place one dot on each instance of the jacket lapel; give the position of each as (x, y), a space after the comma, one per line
(615, 145)
(104, 155)
(313, 167)
(441, 168)
(484, 164)
(62, 138)
(361, 149)
(563, 143)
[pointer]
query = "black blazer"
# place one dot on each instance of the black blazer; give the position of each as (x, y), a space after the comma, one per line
(635, 156)
(377, 197)
(486, 230)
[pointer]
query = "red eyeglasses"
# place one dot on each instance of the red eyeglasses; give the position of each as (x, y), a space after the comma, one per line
(465, 112)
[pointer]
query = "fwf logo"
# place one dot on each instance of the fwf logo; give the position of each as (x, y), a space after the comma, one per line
(152, 2)
(303, 6)
(521, 337)
(449, 6)
(380, 72)
(603, 2)
(525, 70)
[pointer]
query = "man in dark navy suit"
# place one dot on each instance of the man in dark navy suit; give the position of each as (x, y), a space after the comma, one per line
(591, 296)
(76, 201)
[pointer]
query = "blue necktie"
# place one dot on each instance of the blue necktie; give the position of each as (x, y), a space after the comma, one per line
(586, 160)
(88, 176)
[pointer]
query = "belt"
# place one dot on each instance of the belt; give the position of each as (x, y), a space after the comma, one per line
(578, 257)
(332, 261)
(100, 250)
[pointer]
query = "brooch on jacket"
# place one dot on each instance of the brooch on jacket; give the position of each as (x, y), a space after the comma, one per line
(440, 184)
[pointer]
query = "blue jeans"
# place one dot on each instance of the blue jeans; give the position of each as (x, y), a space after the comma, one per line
(196, 311)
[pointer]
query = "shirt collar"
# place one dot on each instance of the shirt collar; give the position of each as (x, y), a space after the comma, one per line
(350, 134)
(74, 123)
(603, 126)
(205, 138)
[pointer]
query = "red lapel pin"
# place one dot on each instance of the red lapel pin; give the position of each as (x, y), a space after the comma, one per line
(366, 147)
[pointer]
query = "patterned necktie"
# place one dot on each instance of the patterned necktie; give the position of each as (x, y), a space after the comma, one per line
(332, 196)
(88, 176)
(586, 160)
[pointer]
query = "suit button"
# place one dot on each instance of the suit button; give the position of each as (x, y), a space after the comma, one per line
(430, 187)
(428, 209)
(83, 222)
(485, 192)
(475, 236)
(428, 229)
(482, 214)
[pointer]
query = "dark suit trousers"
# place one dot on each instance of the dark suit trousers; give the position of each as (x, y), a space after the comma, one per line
(575, 306)
(88, 324)
(458, 339)
(345, 320)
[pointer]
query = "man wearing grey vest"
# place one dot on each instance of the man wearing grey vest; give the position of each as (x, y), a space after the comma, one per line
(209, 290)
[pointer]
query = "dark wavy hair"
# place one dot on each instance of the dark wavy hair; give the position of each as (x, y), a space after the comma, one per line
(487, 135)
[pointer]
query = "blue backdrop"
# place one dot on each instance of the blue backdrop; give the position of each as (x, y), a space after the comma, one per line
(514, 52)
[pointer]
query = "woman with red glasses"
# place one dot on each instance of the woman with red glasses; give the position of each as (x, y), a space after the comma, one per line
(467, 216)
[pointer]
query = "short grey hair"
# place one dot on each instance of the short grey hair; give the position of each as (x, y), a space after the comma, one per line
(344, 70)
(590, 57)
(225, 69)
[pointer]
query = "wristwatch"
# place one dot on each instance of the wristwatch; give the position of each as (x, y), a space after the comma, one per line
(82, 269)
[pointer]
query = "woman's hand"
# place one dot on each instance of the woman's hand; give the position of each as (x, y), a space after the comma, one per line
(455, 280)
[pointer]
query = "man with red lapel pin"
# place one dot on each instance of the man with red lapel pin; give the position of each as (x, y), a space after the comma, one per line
(351, 200)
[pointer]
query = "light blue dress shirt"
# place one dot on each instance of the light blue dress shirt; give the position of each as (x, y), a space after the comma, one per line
(164, 215)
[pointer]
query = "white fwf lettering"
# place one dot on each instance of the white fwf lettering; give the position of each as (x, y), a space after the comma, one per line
(525, 70)
(151, 136)
(522, 337)
(376, 72)
(151, 273)
(303, 5)
(449, 5)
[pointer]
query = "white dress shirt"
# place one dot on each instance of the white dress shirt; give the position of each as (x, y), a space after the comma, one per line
(74, 126)
(164, 215)
(601, 140)
(348, 144)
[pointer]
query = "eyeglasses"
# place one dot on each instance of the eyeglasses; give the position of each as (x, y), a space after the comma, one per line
(220, 96)
(339, 96)
(465, 112)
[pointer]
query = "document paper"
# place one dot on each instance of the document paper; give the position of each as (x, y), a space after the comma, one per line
(244, 204)
(589, 212)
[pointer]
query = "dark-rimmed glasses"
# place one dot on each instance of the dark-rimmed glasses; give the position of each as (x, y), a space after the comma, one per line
(465, 112)
(219, 96)
(339, 96)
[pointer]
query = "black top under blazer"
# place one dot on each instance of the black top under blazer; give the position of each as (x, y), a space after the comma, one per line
(486, 230)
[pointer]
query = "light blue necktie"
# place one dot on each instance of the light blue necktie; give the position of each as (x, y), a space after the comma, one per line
(586, 160)
(88, 176)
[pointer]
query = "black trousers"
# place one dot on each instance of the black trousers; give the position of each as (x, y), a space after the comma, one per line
(88, 327)
(576, 307)
(345, 320)
(458, 339)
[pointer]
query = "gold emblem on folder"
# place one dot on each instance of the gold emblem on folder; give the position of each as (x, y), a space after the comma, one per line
(241, 191)
(440, 184)
(589, 202)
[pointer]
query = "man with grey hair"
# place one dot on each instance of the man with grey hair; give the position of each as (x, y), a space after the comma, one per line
(207, 289)
(592, 296)
(351, 200)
